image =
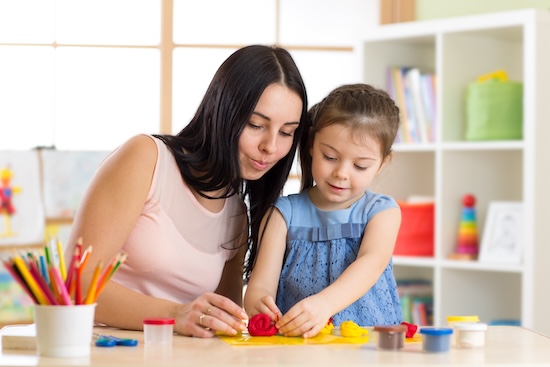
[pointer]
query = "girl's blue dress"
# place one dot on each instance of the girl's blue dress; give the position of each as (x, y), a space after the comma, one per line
(321, 245)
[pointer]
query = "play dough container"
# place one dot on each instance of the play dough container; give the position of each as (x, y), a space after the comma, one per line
(158, 331)
(436, 339)
(390, 337)
(470, 334)
(452, 320)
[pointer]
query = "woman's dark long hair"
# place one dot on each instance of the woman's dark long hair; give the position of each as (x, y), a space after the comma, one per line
(209, 144)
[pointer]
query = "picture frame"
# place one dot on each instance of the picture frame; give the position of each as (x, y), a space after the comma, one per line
(502, 240)
(23, 223)
(65, 177)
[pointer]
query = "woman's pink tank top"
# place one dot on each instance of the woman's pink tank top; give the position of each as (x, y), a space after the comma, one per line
(178, 249)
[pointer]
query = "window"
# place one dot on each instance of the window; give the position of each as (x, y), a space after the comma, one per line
(78, 74)
(89, 74)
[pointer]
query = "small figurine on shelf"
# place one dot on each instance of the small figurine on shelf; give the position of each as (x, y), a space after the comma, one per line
(467, 246)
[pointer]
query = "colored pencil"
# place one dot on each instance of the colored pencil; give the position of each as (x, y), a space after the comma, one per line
(93, 284)
(44, 269)
(12, 269)
(77, 284)
(31, 257)
(84, 258)
(29, 280)
(121, 259)
(108, 272)
(53, 284)
(62, 267)
(60, 284)
(70, 274)
(79, 244)
(78, 271)
(35, 272)
(47, 254)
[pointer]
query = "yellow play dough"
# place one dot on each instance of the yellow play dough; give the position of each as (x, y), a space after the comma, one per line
(351, 329)
(327, 329)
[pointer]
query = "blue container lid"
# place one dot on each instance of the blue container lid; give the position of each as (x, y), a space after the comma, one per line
(436, 331)
(505, 322)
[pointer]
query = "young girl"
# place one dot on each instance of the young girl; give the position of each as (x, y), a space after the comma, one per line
(326, 252)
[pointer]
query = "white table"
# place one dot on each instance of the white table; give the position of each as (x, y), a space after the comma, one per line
(505, 346)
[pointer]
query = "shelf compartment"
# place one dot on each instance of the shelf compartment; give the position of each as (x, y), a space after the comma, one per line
(408, 173)
(416, 51)
(489, 295)
(490, 50)
(489, 175)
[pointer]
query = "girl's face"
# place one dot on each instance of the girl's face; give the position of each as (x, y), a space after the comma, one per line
(344, 165)
(269, 134)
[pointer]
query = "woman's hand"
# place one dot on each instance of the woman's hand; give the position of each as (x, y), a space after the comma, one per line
(208, 314)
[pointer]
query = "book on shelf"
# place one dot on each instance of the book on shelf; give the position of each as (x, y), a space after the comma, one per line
(397, 93)
(427, 90)
(413, 91)
(391, 89)
(412, 121)
(416, 297)
(412, 83)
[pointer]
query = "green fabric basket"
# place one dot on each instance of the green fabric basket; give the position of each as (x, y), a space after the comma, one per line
(494, 110)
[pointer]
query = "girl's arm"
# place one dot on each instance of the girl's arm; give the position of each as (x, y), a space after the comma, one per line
(264, 279)
(310, 315)
(105, 219)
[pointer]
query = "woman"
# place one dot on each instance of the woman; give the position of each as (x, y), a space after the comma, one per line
(176, 204)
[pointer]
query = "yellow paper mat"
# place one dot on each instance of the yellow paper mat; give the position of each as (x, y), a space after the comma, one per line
(417, 338)
(246, 339)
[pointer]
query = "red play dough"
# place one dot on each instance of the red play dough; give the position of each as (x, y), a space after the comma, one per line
(411, 329)
(260, 325)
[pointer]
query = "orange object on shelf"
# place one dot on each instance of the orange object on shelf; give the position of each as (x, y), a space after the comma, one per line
(416, 234)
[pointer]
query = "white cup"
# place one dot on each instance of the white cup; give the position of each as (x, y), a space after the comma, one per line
(64, 331)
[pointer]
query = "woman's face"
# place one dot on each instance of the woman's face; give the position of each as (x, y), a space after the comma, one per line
(269, 134)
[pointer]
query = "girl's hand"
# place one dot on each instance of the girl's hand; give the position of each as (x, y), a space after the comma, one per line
(305, 318)
(266, 305)
(208, 314)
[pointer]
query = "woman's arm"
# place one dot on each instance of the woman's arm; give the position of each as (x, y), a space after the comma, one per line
(105, 219)
(264, 279)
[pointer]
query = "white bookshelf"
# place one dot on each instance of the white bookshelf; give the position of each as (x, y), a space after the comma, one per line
(459, 50)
